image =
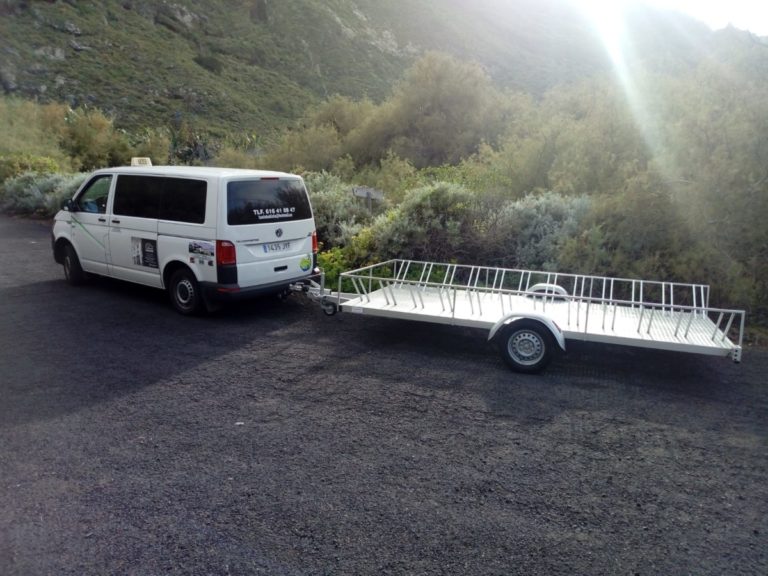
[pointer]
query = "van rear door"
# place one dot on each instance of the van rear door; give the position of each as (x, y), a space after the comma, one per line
(269, 220)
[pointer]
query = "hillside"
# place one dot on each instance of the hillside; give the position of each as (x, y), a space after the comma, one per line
(248, 66)
(252, 65)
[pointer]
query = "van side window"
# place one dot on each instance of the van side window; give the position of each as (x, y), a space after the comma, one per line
(184, 200)
(176, 199)
(94, 198)
(266, 200)
(138, 196)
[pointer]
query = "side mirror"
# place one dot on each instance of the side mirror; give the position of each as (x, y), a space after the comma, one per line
(69, 205)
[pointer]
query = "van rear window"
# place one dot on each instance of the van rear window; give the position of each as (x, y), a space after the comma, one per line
(261, 201)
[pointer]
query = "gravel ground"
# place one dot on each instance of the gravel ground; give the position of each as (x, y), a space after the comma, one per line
(270, 439)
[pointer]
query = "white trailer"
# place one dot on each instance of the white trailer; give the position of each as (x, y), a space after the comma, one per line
(531, 313)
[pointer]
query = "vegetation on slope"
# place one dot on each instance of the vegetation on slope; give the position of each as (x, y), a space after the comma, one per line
(252, 65)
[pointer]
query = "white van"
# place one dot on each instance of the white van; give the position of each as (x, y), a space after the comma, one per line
(203, 234)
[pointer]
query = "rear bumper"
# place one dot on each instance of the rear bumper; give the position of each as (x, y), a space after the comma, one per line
(215, 292)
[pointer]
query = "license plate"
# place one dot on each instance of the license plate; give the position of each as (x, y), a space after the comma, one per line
(276, 247)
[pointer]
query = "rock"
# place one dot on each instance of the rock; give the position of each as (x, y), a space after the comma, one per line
(50, 52)
(77, 47)
(72, 29)
(8, 79)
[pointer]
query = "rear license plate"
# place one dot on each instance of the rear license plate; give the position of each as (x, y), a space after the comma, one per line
(276, 247)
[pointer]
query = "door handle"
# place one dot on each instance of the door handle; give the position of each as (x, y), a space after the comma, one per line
(102, 219)
(115, 221)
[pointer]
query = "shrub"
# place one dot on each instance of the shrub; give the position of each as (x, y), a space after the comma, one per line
(12, 165)
(231, 157)
(339, 215)
(638, 233)
(38, 195)
(92, 141)
(311, 148)
(333, 262)
(154, 144)
(530, 232)
(393, 176)
(32, 130)
(210, 63)
(446, 223)
(432, 223)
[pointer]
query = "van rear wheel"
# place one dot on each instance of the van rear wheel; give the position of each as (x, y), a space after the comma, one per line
(185, 292)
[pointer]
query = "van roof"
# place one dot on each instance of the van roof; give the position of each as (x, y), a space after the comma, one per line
(192, 171)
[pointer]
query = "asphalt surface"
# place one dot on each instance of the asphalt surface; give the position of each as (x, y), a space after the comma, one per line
(271, 439)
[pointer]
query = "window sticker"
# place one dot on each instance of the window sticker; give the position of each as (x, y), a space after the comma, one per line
(201, 252)
(274, 213)
(144, 252)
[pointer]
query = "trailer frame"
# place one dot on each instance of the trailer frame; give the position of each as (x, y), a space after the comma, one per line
(554, 307)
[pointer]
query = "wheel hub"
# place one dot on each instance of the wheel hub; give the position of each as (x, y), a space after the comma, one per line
(526, 347)
(184, 292)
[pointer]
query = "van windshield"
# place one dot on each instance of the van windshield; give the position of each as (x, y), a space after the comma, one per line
(266, 200)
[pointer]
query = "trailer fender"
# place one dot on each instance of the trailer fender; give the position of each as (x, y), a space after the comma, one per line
(557, 333)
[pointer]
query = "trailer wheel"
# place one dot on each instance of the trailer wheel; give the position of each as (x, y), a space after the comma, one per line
(526, 346)
(329, 308)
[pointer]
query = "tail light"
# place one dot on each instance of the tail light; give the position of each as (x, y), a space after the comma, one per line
(314, 242)
(225, 253)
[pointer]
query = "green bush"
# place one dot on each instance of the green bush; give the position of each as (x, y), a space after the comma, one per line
(333, 262)
(154, 143)
(92, 141)
(31, 131)
(529, 233)
(339, 215)
(38, 195)
(210, 63)
(432, 223)
(12, 165)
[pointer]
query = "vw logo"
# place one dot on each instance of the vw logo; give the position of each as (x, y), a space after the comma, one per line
(279, 232)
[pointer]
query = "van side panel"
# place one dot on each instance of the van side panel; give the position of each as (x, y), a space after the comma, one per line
(133, 250)
(194, 245)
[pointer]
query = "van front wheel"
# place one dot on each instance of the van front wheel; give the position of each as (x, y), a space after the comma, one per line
(185, 292)
(73, 272)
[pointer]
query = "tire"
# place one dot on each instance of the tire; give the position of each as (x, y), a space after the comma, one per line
(329, 308)
(73, 272)
(283, 295)
(526, 346)
(184, 292)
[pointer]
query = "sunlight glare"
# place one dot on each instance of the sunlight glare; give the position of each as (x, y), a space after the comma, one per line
(607, 18)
